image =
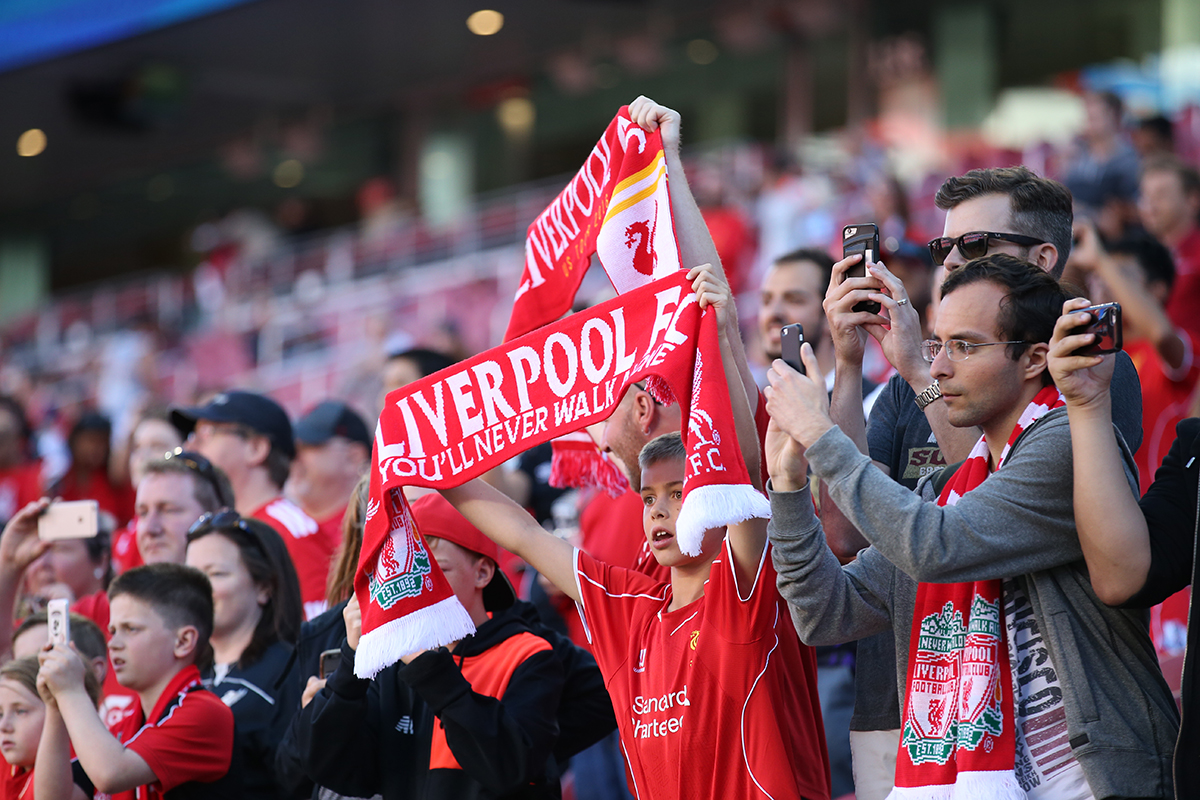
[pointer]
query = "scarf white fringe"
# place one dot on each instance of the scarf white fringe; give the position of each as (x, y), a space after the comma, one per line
(991, 785)
(443, 622)
(716, 505)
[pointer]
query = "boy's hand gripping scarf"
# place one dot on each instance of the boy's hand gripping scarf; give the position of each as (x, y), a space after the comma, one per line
(618, 207)
(958, 739)
(458, 423)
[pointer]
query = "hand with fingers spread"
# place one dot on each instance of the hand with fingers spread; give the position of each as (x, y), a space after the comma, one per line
(798, 405)
(901, 338)
(1083, 380)
(849, 328)
(651, 116)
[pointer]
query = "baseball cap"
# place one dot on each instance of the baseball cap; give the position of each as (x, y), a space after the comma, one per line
(436, 517)
(256, 411)
(329, 419)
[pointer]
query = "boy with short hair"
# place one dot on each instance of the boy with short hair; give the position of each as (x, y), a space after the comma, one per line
(714, 693)
(181, 743)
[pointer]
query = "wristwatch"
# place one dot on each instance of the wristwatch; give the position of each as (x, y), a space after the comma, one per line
(931, 393)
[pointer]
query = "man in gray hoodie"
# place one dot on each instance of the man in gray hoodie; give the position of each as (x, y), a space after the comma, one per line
(1094, 717)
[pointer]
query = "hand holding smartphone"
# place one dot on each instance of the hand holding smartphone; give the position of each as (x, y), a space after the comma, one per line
(328, 663)
(1106, 324)
(861, 238)
(790, 339)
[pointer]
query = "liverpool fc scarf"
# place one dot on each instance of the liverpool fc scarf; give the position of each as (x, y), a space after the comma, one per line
(617, 206)
(455, 425)
(958, 739)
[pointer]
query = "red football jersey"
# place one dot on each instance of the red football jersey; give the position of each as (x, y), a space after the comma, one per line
(715, 699)
(194, 742)
(311, 547)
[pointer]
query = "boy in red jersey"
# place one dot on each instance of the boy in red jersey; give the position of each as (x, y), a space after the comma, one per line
(714, 693)
(180, 745)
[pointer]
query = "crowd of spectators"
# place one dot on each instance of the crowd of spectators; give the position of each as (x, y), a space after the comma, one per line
(213, 623)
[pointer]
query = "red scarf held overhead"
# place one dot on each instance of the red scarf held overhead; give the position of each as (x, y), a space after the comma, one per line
(465, 420)
(617, 205)
(958, 738)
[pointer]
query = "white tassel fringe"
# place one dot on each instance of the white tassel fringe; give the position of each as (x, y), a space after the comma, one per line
(443, 622)
(715, 506)
(979, 785)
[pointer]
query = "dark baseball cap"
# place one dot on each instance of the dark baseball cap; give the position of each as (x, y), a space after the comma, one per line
(329, 419)
(256, 411)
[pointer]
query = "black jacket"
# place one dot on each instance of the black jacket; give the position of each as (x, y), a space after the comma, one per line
(361, 737)
(1174, 522)
(262, 705)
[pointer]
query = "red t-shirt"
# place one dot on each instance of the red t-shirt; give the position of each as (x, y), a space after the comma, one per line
(1165, 398)
(1183, 307)
(715, 699)
(117, 702)
(125, 553)
(311, 547)
(116, 501)
(17, 783)
(192, 743)
(19, 486)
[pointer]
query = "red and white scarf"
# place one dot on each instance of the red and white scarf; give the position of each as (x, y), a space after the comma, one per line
(958, 737)
(618, 207)
(458, 423)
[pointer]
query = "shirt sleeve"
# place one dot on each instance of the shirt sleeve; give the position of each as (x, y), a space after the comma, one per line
(194, 742)
(609, 599)
(1170, 510)
(881, 427)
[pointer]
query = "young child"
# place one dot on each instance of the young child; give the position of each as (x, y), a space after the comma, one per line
(715, 695)
(180, 742)
(21, 714)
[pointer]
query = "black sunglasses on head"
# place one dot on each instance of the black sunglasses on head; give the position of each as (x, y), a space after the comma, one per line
(975, 244)
(223, 519)
(202, 467)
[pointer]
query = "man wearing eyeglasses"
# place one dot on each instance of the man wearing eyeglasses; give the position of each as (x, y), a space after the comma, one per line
(1080, 698)
(1006, 210)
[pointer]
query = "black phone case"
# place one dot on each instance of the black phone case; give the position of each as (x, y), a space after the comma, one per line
(859, 238)
(790, 339)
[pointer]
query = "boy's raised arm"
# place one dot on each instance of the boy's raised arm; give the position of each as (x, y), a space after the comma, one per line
(746, 539)
(110, 766)
(511, 527)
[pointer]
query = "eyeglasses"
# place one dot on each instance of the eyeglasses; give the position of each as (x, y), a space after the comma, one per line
(206, 427)
(975, 244)
(202, 467)
(956, 349)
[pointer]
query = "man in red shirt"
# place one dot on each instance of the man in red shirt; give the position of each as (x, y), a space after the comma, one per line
(333, 449)
(1169, 205)
(249, 437)
(181, 742)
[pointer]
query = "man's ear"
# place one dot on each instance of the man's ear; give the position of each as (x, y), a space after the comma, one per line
(643, 411)
(485, 568)
(186, 640)
(1035, 360)
(1044, 256)
(258, 448)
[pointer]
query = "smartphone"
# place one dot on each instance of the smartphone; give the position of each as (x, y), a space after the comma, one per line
(1106, 324)
(58, 620)
(70, 519)
(861, 238)
(790, 339)
(329, 662)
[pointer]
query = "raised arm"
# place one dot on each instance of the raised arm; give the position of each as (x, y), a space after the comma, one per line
(111, 767)
(511, 527)
(1112, 530)
(746, 539)
(695, 242)
(19, 547)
